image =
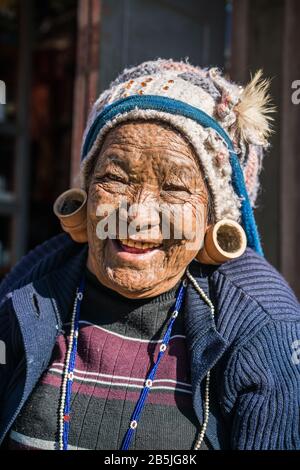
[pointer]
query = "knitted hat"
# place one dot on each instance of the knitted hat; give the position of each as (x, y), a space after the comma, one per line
(227, 125)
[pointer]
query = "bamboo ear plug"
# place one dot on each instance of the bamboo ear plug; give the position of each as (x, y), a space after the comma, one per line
(223, 241)
(70, 208)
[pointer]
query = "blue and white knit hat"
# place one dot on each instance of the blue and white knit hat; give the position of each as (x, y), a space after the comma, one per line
(227, 125)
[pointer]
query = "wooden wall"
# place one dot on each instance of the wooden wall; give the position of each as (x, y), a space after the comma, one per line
(266, 35)
(87, 73)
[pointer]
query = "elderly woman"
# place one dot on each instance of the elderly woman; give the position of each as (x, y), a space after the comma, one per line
(154, 337)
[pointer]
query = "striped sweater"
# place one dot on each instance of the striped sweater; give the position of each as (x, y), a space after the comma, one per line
(118, 342)
(252, 347)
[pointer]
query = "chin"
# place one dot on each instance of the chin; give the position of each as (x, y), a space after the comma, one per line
(130, 284)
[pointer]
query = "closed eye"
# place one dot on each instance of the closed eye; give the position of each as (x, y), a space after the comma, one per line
(174, 187)
(108, 177)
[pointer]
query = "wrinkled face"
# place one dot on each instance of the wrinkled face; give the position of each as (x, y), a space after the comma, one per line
(147, 209)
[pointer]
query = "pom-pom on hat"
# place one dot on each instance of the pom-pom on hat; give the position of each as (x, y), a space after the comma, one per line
(227, 125)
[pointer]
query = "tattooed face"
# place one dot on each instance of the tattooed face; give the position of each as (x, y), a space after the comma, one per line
(147, 209)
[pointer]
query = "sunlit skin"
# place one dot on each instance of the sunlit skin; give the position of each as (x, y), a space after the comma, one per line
(152, 164)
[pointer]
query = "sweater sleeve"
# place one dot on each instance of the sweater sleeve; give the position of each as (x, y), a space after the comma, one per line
(262, 389)
(22, 270)
(11, 347)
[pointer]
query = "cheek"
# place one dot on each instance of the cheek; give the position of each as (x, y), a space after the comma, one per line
(96, 196)
(196, 226)
(186, 220)
(189, 222)
(100, 205)
(193, 222)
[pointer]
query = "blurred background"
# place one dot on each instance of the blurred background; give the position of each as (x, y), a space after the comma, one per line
(57, 55)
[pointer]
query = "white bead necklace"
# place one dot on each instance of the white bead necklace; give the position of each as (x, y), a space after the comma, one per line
(206, 399)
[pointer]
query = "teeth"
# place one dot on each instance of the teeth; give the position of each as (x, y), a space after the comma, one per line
(140, 245)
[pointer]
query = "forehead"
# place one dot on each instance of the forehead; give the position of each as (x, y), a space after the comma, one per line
(149, 139)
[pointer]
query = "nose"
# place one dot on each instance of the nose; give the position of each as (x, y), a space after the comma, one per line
(143, 221)
(143, 218)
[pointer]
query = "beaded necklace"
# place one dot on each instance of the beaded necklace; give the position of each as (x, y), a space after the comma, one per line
(68, 377)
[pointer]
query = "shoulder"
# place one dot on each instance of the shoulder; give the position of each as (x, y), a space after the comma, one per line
(254, 277)
(39, 261)
(258, 315)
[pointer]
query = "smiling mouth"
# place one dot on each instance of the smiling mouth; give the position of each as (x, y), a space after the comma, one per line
(137, 247)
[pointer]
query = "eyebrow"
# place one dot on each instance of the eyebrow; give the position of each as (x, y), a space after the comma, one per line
(184, 179)
(113, 160)
(183, 169)
(112, 157)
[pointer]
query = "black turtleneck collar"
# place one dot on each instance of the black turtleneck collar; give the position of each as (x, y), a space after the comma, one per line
(140, 318)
